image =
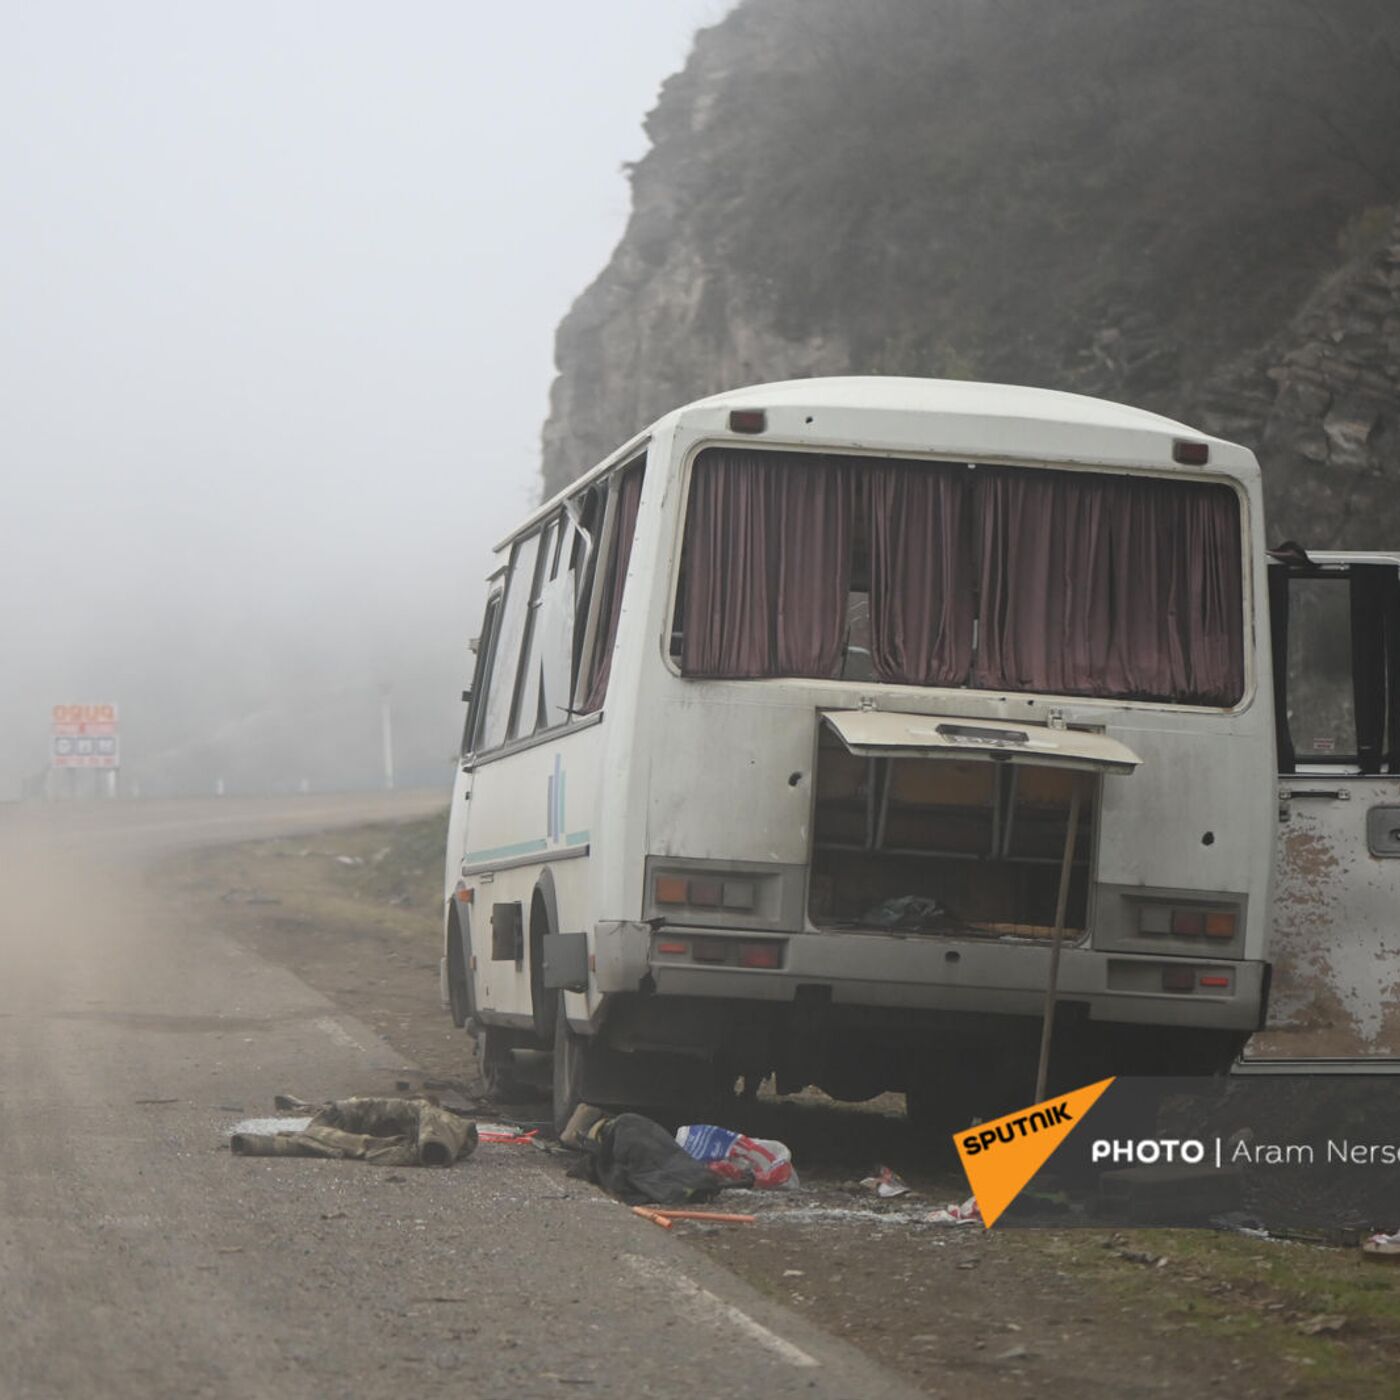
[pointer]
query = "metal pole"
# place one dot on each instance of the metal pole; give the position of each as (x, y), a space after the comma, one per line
(386, 732)
(1047, 1023)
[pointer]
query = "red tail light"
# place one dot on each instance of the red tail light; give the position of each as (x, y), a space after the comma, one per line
(1178, 979)
(1191, 922)
(760, 955)
(1213, 981)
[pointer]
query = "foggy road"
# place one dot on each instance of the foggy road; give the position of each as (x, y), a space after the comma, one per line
(138, 1257)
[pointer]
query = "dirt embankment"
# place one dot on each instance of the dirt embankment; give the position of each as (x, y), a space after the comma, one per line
(987, 1312)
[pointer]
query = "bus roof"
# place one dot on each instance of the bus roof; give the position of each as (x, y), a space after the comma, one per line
(944, 398)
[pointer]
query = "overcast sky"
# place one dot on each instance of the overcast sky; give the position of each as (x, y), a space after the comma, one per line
(278, 287)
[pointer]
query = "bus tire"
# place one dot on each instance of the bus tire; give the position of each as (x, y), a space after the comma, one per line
(570, 1059)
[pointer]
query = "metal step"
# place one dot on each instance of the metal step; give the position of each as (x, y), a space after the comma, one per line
(1337, 1065)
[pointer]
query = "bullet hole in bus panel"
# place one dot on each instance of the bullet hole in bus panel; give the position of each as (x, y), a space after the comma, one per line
(794, 779)
(1208, 839)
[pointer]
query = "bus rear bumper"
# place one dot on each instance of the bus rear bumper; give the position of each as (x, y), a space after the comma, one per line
(932, 973)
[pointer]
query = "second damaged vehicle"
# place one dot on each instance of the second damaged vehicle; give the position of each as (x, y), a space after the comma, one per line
(792, 718)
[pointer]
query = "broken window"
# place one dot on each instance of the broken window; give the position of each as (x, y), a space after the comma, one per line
(1336, 634)
(481, 674)
(622, 524)
(500, 696)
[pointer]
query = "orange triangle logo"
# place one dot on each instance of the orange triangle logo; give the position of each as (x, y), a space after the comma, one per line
(1000, 1157)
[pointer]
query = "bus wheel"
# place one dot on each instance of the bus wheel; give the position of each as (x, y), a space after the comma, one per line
(497, 1063)
(570, 1054)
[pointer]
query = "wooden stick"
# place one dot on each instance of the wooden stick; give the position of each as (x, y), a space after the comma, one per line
(715, 1217)
(1047, 1023)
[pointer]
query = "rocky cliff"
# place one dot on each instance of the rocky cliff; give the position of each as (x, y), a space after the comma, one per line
(1188, 206)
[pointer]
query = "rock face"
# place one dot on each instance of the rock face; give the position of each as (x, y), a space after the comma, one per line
(1320, 404)
(1190, 207)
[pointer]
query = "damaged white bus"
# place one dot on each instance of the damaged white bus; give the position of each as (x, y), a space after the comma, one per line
(779, 720)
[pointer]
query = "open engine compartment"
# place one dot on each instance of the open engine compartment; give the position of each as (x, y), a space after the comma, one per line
(947, 845)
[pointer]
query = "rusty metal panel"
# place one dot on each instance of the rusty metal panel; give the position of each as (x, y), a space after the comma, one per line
(1335, 941)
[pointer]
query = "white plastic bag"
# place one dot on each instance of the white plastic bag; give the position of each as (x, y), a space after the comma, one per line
(734, 1156)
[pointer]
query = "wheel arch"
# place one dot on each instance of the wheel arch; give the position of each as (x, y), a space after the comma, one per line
(544, 918)
(457, 952)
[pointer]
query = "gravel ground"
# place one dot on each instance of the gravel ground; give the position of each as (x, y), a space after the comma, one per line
(953, 1309)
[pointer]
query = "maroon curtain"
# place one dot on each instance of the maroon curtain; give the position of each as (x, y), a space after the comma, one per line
(767, 565)
(629, 491)
(921, 573)
(1117, 586)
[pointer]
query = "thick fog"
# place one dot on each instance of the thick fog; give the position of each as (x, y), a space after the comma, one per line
(279, 288)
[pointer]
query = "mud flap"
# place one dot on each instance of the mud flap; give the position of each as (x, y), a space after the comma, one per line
(566, 962)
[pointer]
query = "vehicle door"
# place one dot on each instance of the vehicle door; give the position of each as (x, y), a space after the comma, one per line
(1335, 945)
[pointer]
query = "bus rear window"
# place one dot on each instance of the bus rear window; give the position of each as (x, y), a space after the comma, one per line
(954, 574)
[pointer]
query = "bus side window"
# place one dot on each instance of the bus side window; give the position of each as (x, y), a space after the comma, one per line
(524, 710)
(604, 607)
(583, 564)
(481, 674)
(555, 635)
(505, 666)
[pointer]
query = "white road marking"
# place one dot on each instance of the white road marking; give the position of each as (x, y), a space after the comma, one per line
(675, 1282)
(338, 1033)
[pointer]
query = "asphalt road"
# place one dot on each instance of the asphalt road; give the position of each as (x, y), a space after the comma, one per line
(139, 1258)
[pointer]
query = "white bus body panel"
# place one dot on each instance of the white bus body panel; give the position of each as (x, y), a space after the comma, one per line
(722, 770)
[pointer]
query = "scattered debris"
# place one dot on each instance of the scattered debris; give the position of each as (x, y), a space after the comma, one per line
(1323, 1322)
(667, 1218)
(505, 1132)
(1382, 1247)
(911, 913)
(751, 1161)
(637, 1160)
(885, 1183)
(386, 1132)
(1142, 1256)
(155, 1101)
(968, 1213)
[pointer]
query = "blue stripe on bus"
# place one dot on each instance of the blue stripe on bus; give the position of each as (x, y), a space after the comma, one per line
(516, 848)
